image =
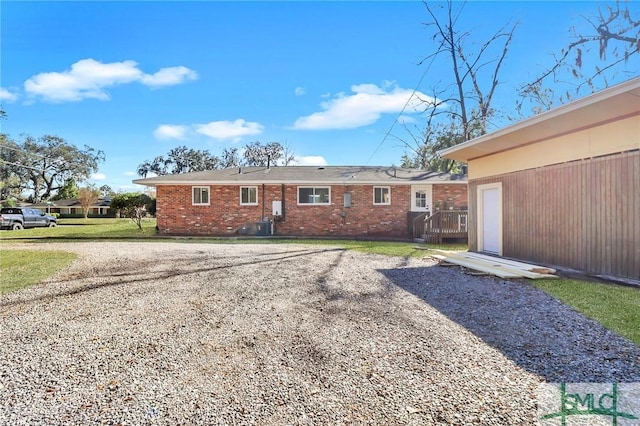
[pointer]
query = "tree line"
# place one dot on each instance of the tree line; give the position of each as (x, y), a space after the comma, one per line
(184, 160)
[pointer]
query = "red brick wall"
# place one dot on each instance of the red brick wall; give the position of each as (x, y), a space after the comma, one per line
(225, 215)
(450, 195)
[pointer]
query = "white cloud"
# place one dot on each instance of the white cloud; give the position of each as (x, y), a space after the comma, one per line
(169, 76)
(365, 106)
(7, 96)
(310, 160)
(229, 129)
(169, 131)
(300, 91)
(88, 79)
(98, 176)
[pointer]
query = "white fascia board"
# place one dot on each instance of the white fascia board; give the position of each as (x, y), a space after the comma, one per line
(319, 183)
(550, 114)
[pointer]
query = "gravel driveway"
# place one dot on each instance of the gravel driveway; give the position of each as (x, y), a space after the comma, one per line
(191, 333)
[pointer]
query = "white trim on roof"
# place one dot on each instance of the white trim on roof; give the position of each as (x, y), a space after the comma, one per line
(290, 182)
(619, 89)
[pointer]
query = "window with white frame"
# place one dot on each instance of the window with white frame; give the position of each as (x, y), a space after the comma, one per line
(200, 195)
(248, 195)
(381, 195)
(318, 195)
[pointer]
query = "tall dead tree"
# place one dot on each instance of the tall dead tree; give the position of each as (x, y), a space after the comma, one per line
(461, 108)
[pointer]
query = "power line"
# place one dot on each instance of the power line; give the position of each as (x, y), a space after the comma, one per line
(401, 111)
(23, 151)
(20, 165)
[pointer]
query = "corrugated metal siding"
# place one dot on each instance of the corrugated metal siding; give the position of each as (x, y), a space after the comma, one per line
(583, 214)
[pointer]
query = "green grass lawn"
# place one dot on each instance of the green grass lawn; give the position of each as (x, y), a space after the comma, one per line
(109, 228)
(22, 268)
(84, 229)
(615, 307)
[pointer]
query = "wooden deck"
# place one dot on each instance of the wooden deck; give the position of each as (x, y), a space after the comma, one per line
(441, 225)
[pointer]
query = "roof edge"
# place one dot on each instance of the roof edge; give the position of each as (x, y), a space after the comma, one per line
(599, 96)
(320, 183)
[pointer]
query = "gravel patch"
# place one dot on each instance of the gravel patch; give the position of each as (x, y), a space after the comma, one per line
(189, 333)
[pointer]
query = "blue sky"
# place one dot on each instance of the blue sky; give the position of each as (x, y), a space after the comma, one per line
(329, 79)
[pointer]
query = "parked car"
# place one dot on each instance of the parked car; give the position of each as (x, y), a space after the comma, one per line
(23, 217)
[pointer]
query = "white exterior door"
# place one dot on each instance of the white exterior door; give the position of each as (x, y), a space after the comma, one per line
(421, 198)
(490, 218)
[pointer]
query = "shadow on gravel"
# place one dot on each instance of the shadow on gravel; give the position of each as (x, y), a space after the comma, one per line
(190, 264)
(532, 329)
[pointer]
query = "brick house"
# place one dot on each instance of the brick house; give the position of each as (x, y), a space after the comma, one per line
(72, 207)
(340, 201)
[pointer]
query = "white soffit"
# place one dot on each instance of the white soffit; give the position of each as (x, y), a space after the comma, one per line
(608, 105)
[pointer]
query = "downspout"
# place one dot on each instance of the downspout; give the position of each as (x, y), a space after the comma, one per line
(283, 208)
(263, 207)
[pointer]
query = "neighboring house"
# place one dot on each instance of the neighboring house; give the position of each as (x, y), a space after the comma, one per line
(73, 207)
(349, 201)
(563, 187)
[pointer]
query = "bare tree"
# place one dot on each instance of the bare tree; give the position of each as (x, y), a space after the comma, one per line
(288, 155)
(87, 197)
(615, 36)
(459, 109)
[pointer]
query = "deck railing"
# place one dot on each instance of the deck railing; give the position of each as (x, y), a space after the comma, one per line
(440, 225)
(419, 225)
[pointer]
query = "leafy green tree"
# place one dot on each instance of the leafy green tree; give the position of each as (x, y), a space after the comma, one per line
(43, 165)
(442, 137)
(230, 158)
(106, 191)
(10, 202)
(257, 154)
(69, 190)
(180, 160)
(120, 201)
(185, 160)
(12, 178)
(134, 206)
